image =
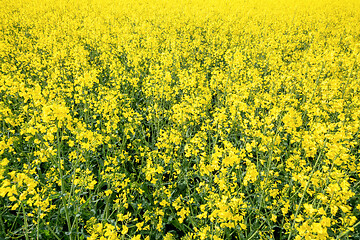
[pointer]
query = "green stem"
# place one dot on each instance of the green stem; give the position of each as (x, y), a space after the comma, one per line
(62, 184)
(25, 223)
(347, 231)
(52, 231)
(304, 192)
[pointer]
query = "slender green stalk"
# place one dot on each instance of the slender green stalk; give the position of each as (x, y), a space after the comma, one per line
(305, 189)
(25, 223)
(347, 231)
(63, 191)
(52, 231)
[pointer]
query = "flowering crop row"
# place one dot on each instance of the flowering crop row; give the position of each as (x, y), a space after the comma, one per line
(169, 119)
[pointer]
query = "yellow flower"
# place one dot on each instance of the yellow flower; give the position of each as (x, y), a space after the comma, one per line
(136, 237)
(124, 230)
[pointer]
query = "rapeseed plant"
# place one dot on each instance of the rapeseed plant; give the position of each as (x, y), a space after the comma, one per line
(179, 119)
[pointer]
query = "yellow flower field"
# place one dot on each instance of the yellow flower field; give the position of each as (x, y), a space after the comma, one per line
(169, 119)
